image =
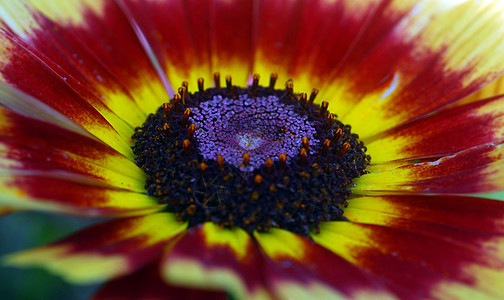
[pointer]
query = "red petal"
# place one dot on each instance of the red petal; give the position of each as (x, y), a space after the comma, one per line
(148, 284)
(193, 38)
(413, 265)
(474, 170)
(33, 145)
(294, 263)
(106, 250)
(444, 133)
(41, 192)
(215, 258)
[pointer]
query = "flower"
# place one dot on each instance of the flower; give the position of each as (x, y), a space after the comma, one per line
(79, 76)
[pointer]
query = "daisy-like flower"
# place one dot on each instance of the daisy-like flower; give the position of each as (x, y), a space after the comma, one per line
(353, 190)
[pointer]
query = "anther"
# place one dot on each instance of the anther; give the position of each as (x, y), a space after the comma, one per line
(191, 130)
(323, 108)
(182, 91)
(326, 146)
(176, 102)
(305, 142)
(166, 126)
(203, 167)
(255, 82)
(282, 159)
(246, 158)
(229, 84)
(313, 95)
(201, 85)
(185, 116)
(258, 179)
(269, 164)
(167, 111)
(273, 79)
(186, 145)
(337, 134)
(303, 154)
(330, 120)
(216, 77)
(344, 148)
(302, 98)
(289, 86)
(220, 160)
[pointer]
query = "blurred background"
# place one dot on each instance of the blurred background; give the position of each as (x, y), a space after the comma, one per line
(24, 230)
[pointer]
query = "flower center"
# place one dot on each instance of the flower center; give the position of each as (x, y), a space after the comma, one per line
(254, 157)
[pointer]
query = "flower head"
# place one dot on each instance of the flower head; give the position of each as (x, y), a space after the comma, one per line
(305, 212)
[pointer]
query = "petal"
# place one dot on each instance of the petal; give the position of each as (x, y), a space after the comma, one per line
(36, 146)
(217, 258)
(41, 79)
(297, 268)
(193, 38)
(444, 133)
(475, 223)
(496, 88)
(104, 251)
(87, 39)
(34, 191)
(414, 265)
(148, 284)
(383, 63)
(474, 170)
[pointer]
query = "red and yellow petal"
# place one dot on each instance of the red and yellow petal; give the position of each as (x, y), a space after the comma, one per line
(30, 145)
(444, 133)
(475, 170)
(104, 251)
(382, 63)
(414, 265)
(217, 258)
(476, 223)
(87, 39)
(39, 191)
(193, 38)
(297, 268)
(148, 284)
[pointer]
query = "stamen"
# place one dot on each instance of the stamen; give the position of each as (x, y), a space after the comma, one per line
(186, 85)
(201, 85)
(289, 86)
(303, 154)
(217, 80)
(186, 146)
(273, 79)
(282, 159)
(185, 116)
(203, 167)
(313, 95)
(182, 92)
(302, 98)
(344, 149)
(176, 102)
(255, 82)
(305, 142)
(167, 111)
(220, 160)
(229, 84)
(246, 158)
(269, 164)
(323, 108)
(326, 146)
(258, 179)
(190, 130)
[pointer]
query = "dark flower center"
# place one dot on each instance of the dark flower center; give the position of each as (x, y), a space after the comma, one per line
(255, 158)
